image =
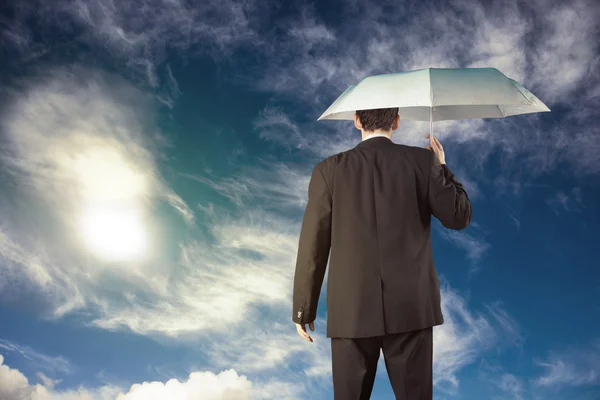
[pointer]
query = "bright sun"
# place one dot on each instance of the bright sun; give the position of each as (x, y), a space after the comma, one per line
(111, 220)
(114, 233)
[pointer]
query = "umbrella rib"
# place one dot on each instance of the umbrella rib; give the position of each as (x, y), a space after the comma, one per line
(503, 116)
(522, 94)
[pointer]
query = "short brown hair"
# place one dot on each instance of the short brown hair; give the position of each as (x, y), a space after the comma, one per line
(377, 119)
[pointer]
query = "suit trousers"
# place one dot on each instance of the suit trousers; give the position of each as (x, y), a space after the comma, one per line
(408, 359)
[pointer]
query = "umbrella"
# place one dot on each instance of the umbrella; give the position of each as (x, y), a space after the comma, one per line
(438, 94)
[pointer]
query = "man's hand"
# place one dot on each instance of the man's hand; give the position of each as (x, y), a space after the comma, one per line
(301, 328)
(436, 147)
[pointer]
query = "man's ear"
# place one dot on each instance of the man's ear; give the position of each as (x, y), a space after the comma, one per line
(357, 123)
(396, 122)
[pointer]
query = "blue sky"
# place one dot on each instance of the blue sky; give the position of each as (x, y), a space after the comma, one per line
(192, 130)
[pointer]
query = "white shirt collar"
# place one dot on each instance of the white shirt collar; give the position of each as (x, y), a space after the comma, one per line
(372, 135)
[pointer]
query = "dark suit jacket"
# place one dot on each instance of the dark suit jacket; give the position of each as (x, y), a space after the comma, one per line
(372, 206)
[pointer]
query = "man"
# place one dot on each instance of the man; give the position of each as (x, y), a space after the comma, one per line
(372, 206)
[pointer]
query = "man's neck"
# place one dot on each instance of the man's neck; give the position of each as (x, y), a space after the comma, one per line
(366, 134)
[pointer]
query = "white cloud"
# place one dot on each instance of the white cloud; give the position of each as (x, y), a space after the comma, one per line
(276, 126)
(566, 50)
(466, 335)
(508, 327)
(226, 385)
(48, 382)
(307, 31)
(76, 139)
(13, 384)
(179, 204)
(277, 186)
(505, 386)
(495, 39)
(511, 385)
(474, 246)
(571, 367)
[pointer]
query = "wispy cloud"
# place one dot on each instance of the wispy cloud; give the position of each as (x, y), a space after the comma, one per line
(170, 88)
(308, 30)
(512, 386)
(571, 367)
(285, 190)
(508, 327)
(56, 365)
(138, 38)
(466, 335)
(504, 385)
(515, 220)
(566, 49)
(276, 126)
(475, 247)
(560, 201)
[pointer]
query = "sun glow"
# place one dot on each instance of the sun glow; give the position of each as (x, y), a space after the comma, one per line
(111, 220)
(114, 233)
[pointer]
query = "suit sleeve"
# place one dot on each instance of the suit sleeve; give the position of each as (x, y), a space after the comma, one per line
(448, 198)
(313, 250)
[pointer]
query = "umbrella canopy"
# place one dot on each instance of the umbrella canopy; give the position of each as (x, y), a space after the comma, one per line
(438, 94)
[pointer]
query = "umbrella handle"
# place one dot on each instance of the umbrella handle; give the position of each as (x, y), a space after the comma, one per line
(431, 123)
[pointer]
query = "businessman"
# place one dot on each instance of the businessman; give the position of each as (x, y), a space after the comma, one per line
(371, 207)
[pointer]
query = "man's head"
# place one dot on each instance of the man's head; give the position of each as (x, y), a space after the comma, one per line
(383, 120)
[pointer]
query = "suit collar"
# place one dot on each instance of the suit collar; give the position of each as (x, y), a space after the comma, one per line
(377, 142)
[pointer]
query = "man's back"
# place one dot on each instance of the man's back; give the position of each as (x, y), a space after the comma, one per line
(382, 277)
